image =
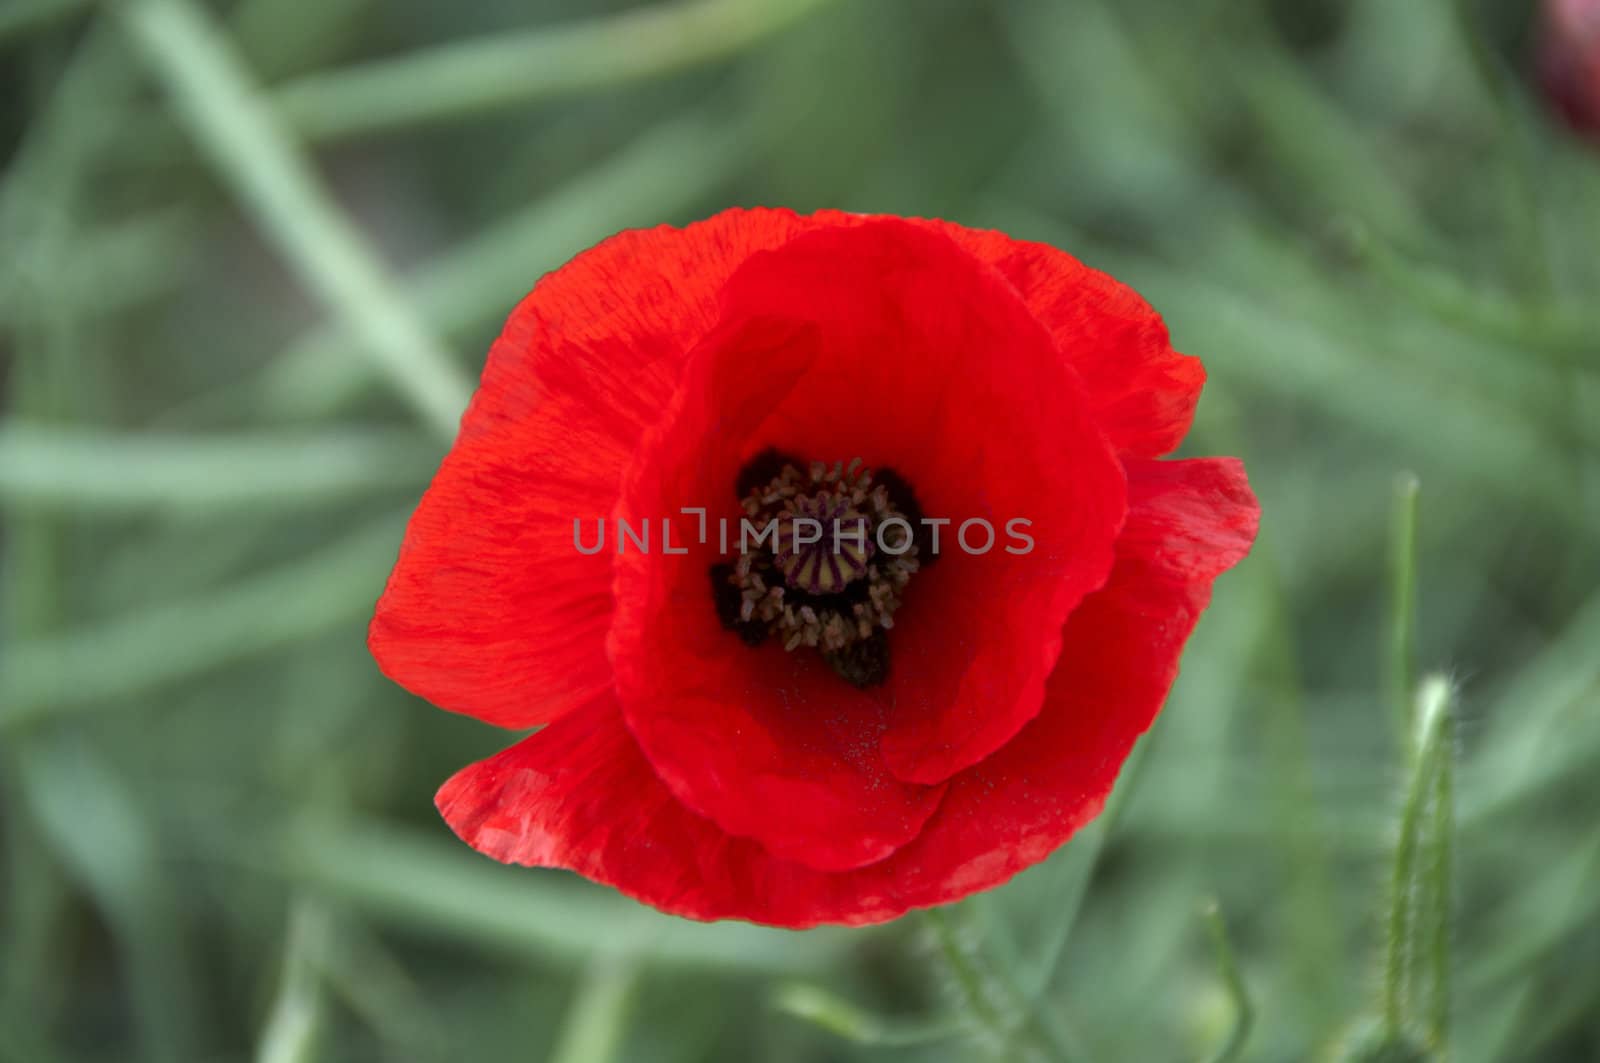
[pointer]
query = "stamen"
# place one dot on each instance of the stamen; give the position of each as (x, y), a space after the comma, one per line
(725, 595)
(761, 469)
(902, 498)
(821, 580)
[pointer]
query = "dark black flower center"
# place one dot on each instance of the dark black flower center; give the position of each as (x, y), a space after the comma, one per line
(825, 552)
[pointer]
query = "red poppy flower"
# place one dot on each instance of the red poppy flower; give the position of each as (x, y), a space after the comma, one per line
(1569, 61)
(792, 733)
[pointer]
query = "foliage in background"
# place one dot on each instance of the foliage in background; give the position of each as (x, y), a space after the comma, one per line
(251, 256)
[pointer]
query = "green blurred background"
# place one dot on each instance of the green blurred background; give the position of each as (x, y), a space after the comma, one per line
(251, 257)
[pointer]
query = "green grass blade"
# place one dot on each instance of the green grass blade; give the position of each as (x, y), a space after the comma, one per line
(291, 1031)
(116, 659)
(596, 1024)
(364, 974)
(100, 471)
(18, 17)
(1438, 897)
(214, 95)
(112, 851)
(441, 888)
(671, 167)
(467, 77)
(1238, 993)
(819, 1006)
(1416, 933)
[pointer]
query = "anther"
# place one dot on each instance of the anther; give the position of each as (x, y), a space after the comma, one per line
(821, 580)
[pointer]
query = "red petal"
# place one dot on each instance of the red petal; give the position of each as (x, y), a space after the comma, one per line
(1191, 519)
(1119, 657)
(490, 610)
(802, 774)
(580, 795)
(1142, 391)
(886, 342)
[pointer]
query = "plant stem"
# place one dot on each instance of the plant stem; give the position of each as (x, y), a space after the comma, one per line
(1402, 641)
(1407, 934)
(995, 1002)
(1080, 857)
(1438, 895)
(966, 973)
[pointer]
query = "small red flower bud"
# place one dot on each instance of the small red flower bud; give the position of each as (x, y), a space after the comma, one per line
(1569, 61)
